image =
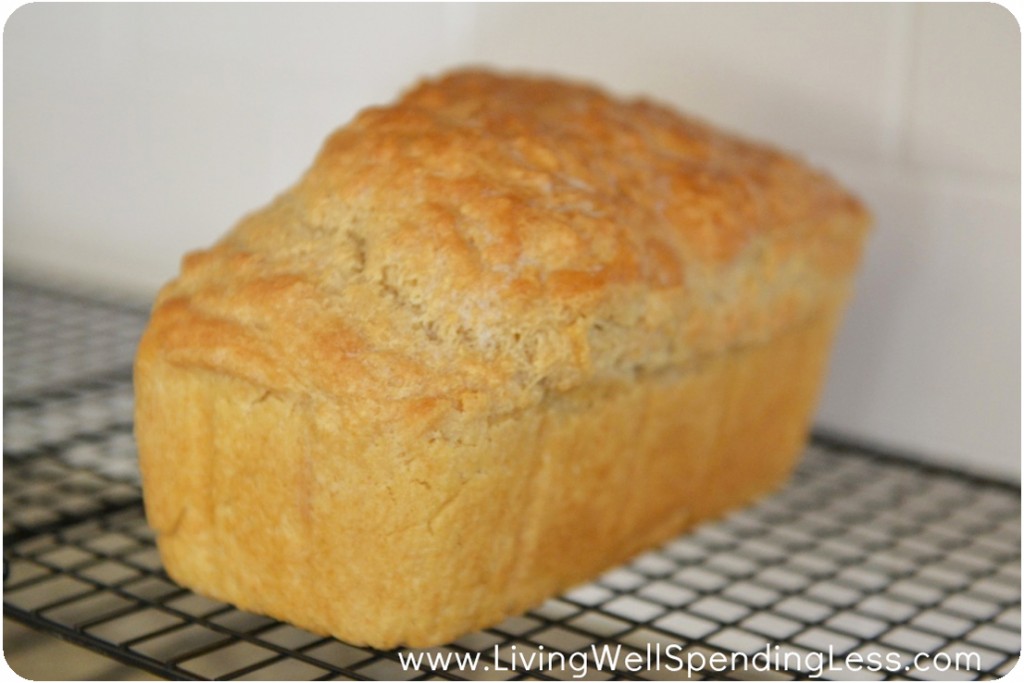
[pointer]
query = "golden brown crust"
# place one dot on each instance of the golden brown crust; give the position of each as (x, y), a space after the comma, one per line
(501, 335)
(503, 237)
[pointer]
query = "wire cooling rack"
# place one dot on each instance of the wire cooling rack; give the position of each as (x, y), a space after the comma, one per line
(861, 555)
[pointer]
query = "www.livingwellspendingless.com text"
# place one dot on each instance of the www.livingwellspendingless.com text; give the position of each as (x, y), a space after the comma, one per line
(673, 659)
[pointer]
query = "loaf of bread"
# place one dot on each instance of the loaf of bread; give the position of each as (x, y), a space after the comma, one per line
(502, 335)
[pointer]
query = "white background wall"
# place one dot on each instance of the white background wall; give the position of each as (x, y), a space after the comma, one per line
(133, 133)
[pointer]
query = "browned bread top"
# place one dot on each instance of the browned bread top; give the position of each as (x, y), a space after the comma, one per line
(490, 239)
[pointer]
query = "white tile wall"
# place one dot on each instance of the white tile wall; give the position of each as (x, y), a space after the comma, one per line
(964, 111)
(135, 132)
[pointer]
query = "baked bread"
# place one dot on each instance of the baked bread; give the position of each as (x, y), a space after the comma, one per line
(503, 334)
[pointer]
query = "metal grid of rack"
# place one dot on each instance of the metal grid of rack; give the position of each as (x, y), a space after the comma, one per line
(861, 553)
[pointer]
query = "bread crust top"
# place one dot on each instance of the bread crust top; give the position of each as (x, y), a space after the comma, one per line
(492, 238)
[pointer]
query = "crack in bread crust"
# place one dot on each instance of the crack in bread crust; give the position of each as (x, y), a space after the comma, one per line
(499, 236)
(516, 510)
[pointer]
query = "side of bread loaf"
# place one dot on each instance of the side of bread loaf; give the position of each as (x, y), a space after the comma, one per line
(502, 335)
